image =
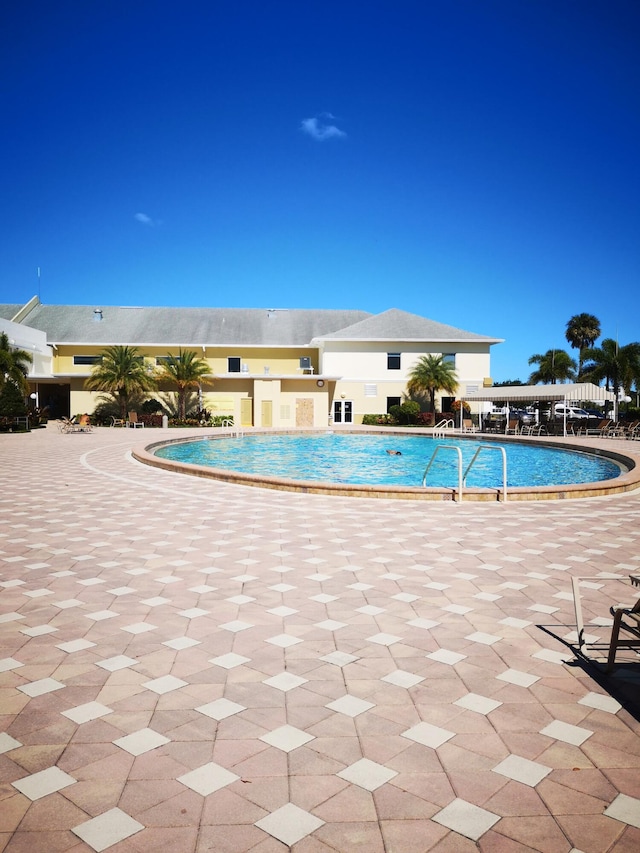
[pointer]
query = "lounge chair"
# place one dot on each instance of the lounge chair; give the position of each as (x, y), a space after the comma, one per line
(635, 432)
(631, 429)
(118, 422)
(72, 425)
(468, 425)
(600, 428)
(626, 619)
(616, 430)
(133, 421)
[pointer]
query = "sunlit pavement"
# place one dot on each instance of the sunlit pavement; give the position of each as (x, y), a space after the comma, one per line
(187, 665)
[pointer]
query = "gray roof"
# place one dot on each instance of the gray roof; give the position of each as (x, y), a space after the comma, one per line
(187, 326)
(396, 325)
(248, 327)
(8, 312)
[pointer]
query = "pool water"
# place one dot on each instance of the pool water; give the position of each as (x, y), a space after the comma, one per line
(363, 459)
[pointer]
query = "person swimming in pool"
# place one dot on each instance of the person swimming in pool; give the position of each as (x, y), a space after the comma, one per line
(394, 453)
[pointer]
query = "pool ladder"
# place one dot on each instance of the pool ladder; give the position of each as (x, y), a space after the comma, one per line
(462, 478)
(235, 431)
(442, 428)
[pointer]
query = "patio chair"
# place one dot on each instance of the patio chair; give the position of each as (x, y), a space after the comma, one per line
(66, 424)
(513, 427)
(133, 421)
(69, 425)
(625, 619)
(616, 430)
(533, 429)
(600, 428)
(118, 422)
(468, 425)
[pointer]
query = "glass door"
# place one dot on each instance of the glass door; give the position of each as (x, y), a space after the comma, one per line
(343, 411)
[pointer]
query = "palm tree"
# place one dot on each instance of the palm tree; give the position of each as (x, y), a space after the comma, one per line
(14, 364)
(430, 374)
(618, 366)
(185, 371)
(121, 373)
(583, 330)
(555, 365)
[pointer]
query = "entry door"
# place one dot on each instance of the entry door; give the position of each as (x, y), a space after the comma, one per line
(343, 411)
(246, 411)
(267, 413)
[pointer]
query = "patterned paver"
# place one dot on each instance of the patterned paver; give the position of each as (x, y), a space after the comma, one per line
(194, 666)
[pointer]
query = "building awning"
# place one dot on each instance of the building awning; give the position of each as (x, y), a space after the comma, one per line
(576, 392)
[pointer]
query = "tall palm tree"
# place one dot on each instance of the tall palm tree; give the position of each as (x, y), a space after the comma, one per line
(618, 366)
(14, 364)
(583, 330)
(555, 365)
(121, 373)
(185, 371)
(430, 374)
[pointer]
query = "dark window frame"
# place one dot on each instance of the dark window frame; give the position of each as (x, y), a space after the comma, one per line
(393, 401)
(85, 360)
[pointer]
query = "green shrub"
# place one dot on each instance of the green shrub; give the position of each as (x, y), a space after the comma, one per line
(152, 407)
(377, 420)
(220, 420)
(406, 413)
(11, 400)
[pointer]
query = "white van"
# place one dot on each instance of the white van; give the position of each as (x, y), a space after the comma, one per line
(560, 410)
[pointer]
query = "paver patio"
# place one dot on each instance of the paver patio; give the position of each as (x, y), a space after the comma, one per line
(191, 666)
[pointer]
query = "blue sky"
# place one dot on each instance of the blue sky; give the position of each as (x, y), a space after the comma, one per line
(472, 161)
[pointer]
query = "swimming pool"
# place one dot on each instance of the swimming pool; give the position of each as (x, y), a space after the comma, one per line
(362, 459)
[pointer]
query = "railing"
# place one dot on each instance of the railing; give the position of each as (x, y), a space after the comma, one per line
(440, 429)
(504, 467)
(431, 461)
(234, 430)
(462, 478)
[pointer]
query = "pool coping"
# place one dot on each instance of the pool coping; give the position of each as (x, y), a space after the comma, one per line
(627, 481)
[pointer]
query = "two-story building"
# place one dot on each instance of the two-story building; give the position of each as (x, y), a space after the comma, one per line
(269, 366)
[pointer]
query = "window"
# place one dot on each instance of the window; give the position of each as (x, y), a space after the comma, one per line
(233, 364)
(87, 359)
(305, 362)
(449, 357)
(393, 401)
(393, 361)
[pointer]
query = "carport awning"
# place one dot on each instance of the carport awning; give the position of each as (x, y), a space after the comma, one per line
(577, 392)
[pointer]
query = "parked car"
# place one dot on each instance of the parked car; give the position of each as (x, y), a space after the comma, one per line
(571, 412)
(522, 415)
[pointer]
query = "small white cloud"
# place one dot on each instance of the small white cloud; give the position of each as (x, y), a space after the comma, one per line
(318, 128)
(145, 220)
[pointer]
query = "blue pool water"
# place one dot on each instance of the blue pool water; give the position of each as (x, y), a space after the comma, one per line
(362, 459)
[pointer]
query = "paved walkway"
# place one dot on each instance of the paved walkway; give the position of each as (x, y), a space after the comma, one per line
(188, 665)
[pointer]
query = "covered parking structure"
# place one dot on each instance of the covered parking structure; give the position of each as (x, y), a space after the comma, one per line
(528, 394)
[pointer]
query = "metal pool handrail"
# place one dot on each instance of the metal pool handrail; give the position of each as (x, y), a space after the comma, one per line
(431, 461)
(504, 467)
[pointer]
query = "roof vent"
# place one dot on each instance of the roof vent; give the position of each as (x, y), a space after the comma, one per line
(97, 315)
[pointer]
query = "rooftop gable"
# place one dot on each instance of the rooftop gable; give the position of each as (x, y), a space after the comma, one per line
(396, 325)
